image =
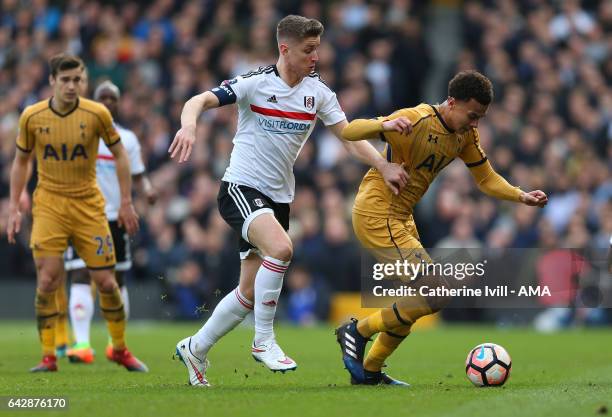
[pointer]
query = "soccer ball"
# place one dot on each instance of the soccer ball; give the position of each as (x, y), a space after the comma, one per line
(488, 365)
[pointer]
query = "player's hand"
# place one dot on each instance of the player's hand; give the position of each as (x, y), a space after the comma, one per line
(395, 176)
(14, 224)
(182, 143)
(401, 125)
(128, 218)
(534, 198)
(25, 202)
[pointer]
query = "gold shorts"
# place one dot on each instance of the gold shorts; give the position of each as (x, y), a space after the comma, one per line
(390, 239)
(58, 219)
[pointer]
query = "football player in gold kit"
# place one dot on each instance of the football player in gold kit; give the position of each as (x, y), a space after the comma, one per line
(63, 132)
(425, 139)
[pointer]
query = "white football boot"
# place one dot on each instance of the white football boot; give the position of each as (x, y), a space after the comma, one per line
(270, 354)
(195, 366)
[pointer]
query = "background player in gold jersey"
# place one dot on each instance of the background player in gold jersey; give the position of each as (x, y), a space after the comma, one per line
(425, 139)
(64, 132)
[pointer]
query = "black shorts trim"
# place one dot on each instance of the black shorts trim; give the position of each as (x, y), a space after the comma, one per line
(100, 268)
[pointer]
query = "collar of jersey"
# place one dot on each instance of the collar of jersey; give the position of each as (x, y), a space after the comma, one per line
(283, 81)
(439, 116)
(64, 114)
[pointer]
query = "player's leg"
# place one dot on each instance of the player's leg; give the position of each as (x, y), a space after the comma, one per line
(48, 241)
(266, 233)
(111, 306)
(48, 273)
(123, 256)
(62, 339)
(230, 312)
(262, 223)
(389, 240)
(93, 242)
(81, 307)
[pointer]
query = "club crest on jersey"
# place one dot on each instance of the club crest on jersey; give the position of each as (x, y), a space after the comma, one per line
(309, 102)
(258, 202)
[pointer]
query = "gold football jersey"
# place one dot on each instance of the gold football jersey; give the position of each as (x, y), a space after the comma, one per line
(430, 147)
(66, 145)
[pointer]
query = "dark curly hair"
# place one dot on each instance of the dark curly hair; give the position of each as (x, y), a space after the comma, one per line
(471, 84)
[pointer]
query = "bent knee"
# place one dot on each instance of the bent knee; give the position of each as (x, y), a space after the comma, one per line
(283, 251)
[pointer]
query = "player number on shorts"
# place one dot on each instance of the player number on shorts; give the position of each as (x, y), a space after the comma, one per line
(109, 244)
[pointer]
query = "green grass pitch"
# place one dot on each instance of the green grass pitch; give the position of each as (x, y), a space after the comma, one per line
(563, 374)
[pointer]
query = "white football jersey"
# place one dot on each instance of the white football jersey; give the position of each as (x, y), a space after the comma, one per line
(106, 170)
(274, 121)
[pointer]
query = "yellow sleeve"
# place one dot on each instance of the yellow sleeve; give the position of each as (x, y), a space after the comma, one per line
(472, 154)
(493, 184)
(107, 130)
(360, 129)
(25, 139)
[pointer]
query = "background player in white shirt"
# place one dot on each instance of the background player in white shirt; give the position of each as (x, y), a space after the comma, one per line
(277, 110)
(81, 302)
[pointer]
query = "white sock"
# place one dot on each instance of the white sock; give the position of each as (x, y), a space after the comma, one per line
(230, 311)
(126, 301)
(81, 307)
(268, 285)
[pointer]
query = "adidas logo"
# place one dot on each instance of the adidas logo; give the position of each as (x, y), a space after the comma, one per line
(272, 99)
(349, 347)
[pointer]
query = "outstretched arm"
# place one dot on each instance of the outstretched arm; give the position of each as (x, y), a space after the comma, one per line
(360, 129)
(493, 184)
(185, 137)
(394, 174)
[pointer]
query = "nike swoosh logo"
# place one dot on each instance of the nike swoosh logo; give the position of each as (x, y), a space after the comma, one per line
(198, 373)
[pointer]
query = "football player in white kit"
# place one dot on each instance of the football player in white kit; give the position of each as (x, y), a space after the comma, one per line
(81, 303)
(277, 110)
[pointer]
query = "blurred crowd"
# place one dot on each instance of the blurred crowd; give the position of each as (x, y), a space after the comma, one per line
(549, 128)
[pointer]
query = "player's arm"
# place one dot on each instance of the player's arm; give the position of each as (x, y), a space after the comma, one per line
(494, 185)
(185, 137)
(19, 178)
(127, 214)
(490, 182)
(360, 129)
(394, 174)
(140, 179)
